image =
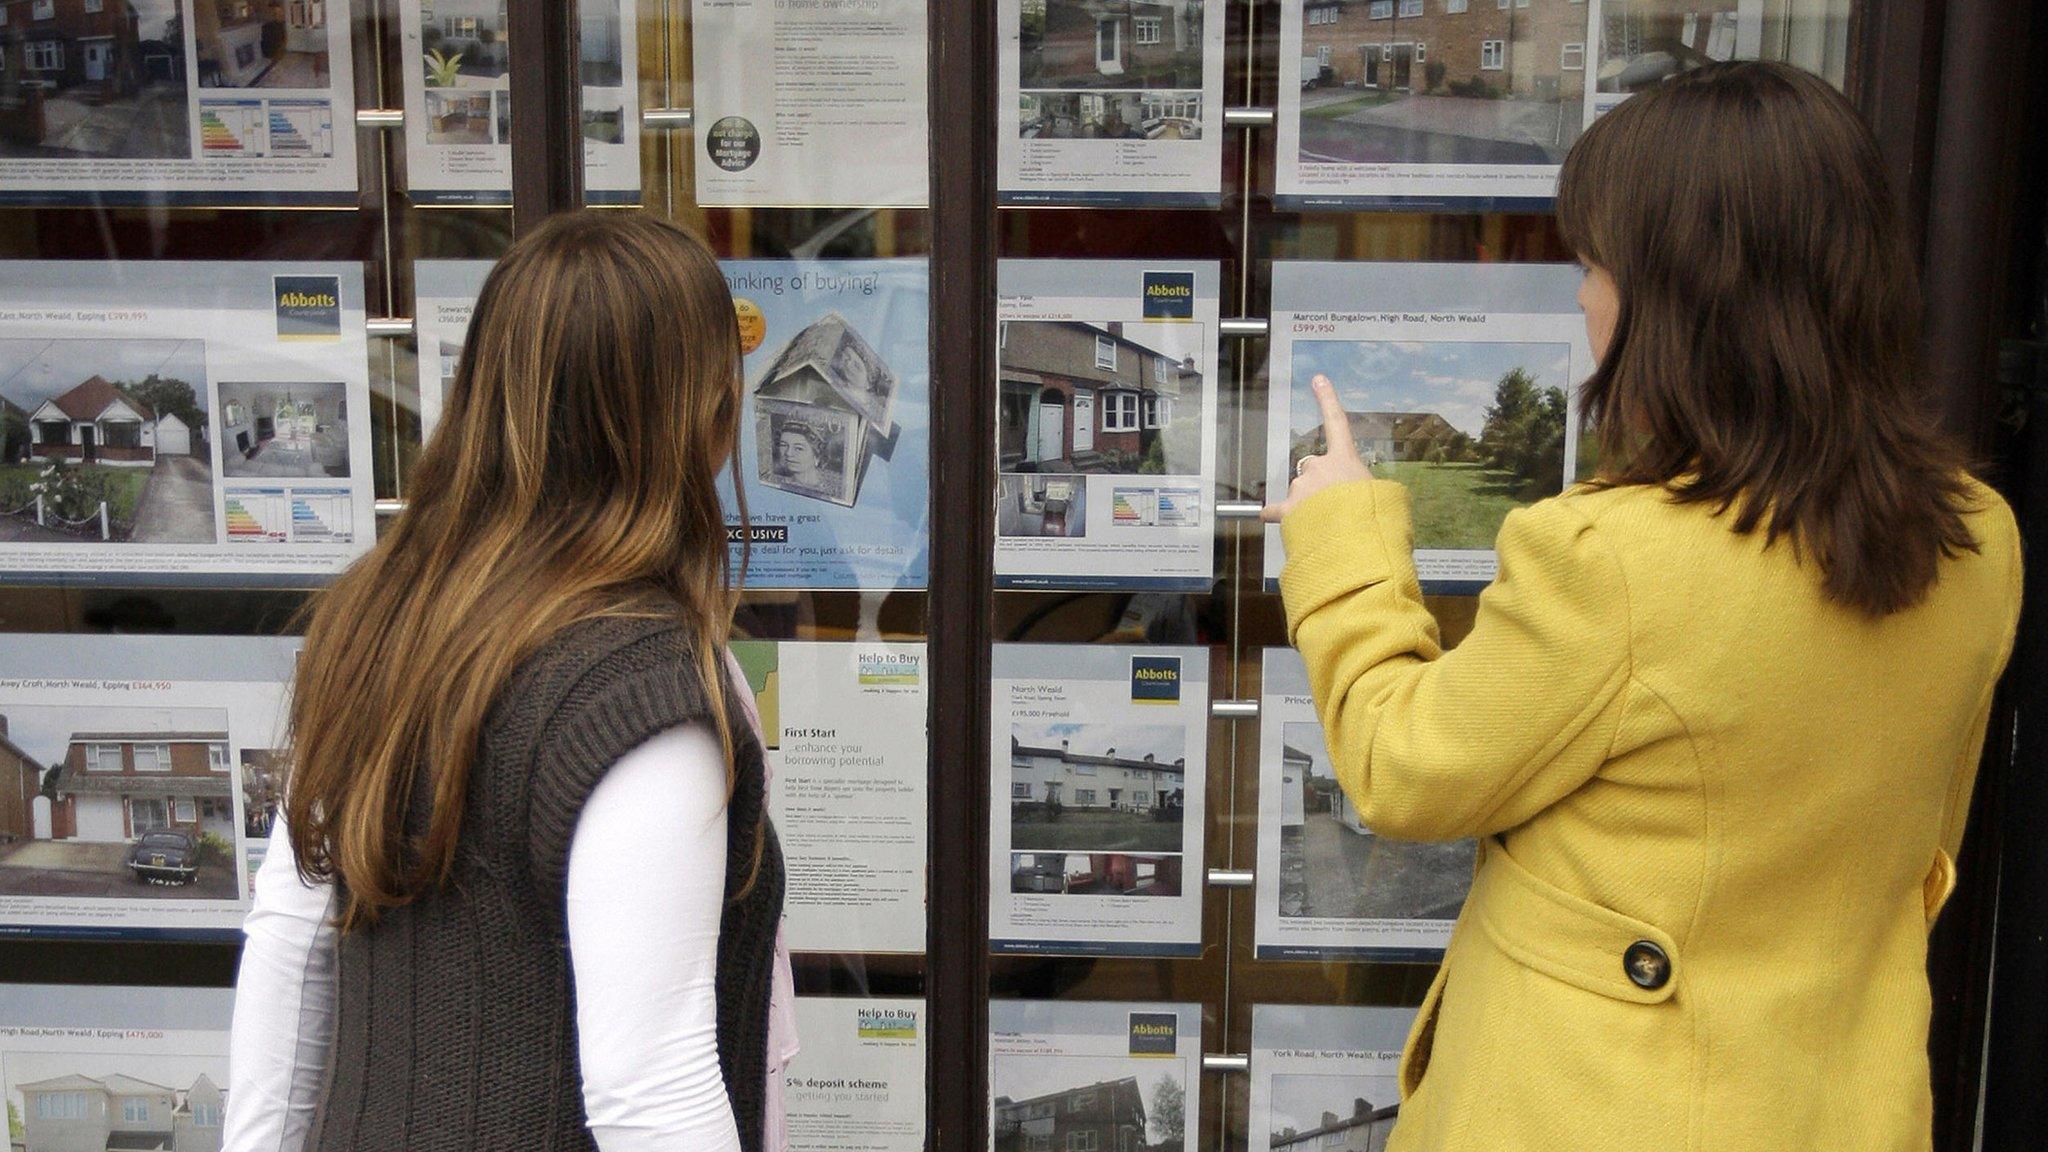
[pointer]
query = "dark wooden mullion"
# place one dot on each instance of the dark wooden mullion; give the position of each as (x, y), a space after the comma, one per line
(547, 111)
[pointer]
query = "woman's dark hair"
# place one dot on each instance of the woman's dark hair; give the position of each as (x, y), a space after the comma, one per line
(1765, 357)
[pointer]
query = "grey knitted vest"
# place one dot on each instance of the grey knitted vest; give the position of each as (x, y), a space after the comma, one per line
(455, 1026)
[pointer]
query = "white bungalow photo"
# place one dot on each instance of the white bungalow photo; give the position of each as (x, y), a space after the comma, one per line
(1097, 787)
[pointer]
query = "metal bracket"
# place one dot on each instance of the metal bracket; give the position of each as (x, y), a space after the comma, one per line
(380, 118)
(389, 507)
(1243, 327)
(389, 327)
(1230, 878)
(1247, 117)
(1220, 1062)
(1238, 509)
(1234, 709)
(668, 119)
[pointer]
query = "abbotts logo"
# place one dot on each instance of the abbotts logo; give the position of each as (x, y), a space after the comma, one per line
(886, 1023)
(1154, 1033)
(1169, 295)
(308, 307)
(1155, 679)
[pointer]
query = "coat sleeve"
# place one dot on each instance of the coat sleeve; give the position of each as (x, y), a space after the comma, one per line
(1431, 745)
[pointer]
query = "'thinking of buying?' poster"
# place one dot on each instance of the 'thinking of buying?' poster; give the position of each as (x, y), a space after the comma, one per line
(1110, 103)
(1414, 104)
(1106, 424)
(1095, 811)
(1458, 380)
(858, 1083)
(1329, 888)
(816, 103)
(1325, 1076)
(458, 101)
(135, 771)
(1127, 1076)
(94, 1066)
(177, 423)
(845, 729)
(834, 447)
(177, 102)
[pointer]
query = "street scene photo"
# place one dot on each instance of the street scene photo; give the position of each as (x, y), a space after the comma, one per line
(1474, 429)
(1097, 787)
(108, 80)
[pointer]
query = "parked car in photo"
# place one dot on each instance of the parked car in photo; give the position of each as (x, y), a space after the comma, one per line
(165, 855)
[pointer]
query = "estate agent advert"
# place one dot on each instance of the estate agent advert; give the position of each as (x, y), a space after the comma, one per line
(845, 730)
(810, 103)
(1325, 1076)
(1329, 888)
(1458, 380)
(1107, 1076)
(1110, 102)
(100, 1066)
(134, 773)
(186, 102)
(458, 102)
(858, 1083)
(1106, 424)
(180, 423)
(1095, 811)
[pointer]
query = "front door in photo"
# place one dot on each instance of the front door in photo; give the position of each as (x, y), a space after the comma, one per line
(1084, 422)
(1052, 429)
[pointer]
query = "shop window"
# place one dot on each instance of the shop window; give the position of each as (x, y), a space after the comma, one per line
(1574, 58)
(1493, 55)
(1105, 353)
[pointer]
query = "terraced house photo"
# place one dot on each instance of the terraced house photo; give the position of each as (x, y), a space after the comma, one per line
(1087, 1104)
(1097, 787)
(85, 1102)
(1442, 81)
(1100, 397)
(93, 78)
(1333, 1113)
(1068, 44)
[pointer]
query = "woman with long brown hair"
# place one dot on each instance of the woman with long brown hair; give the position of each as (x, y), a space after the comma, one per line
(532, 898)
(1716, 724)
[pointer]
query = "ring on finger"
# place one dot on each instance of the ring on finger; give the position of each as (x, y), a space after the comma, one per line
(1301, 466)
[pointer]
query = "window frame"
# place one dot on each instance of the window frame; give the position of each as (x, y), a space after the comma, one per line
(1105, 343)
(1564, 57)
(1117, 411)
(1494, 50)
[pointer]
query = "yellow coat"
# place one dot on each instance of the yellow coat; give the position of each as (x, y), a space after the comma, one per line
(1717, 816)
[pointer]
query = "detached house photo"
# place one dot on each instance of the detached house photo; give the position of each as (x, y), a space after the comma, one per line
(87, 78)
(1442, 81)
(1097, 787)
(162, 1103)
(1332, 1113)
(1110, 397)
(129, 802)
(1068, 44)
(1049, 1103)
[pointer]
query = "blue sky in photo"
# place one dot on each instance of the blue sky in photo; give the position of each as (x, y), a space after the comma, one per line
(32, 371)
(1454, 379)
(1166, 742)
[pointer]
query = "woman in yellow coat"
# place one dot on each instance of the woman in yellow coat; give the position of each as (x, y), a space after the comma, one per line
(1718, 719)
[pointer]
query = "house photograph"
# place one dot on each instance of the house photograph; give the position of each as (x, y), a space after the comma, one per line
(1474, 429)
(1073, 44)
(1047, 1103)
(93, 78)
(1442, 81)
(1111, 397)
(1094, 874)
(1645, 42)
(284, 430)
(131, 802)
(465, 60)
(117, 442)
(1313, 1112)
(599, 42)
(1035, 504)
(75, 1101)
(1332, 866)
(264, 773)
(1097, 787)
(260, 43)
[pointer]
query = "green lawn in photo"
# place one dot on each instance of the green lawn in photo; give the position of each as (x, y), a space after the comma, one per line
(1091, 830)
(1338, 109)
(1455, 505)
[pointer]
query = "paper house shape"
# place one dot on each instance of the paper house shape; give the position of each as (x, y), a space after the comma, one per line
(822, 410)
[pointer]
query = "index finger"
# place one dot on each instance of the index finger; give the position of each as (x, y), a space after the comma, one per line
(1336, 425)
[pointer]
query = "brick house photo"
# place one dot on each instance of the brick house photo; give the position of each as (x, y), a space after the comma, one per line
(1442, 81)
(154, 1102)
(1068, 44)
(1107, 1116)
(1097, 787)
(82, 78)
(1110, 397)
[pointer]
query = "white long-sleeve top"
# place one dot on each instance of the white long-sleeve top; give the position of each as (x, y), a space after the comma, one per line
(645, 891)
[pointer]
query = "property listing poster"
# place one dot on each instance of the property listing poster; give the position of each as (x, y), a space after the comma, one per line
(1108, 102)
(98, 1066)
(1124, 1075)
(134, 773)
(444, 296)
(1325, 1076)
(458, 101)
(810, 103)
(183, 423)
(858, 1083)
(1413, 105)
(1095, 811)
(189, 102)
(845, 729)
(1459, 382)
(1106, 424)
(1329, 888)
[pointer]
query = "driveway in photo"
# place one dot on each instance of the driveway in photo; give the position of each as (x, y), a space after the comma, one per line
(177, 503)
(1438, 130)
(82, 868)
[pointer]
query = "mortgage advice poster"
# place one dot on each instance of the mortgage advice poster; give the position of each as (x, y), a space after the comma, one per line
(1110, 104)
(810, 103)
(1411, 105)
(1325, 1076)
(858, 1085)
(1106, 424)
(132, 779)
(458, 101)
(1328, 887)
(183, 423)
(123, 1067)
(844, 725)
(181, 102)
(1096, 806)
(1459, 381)
(1137, 1066)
